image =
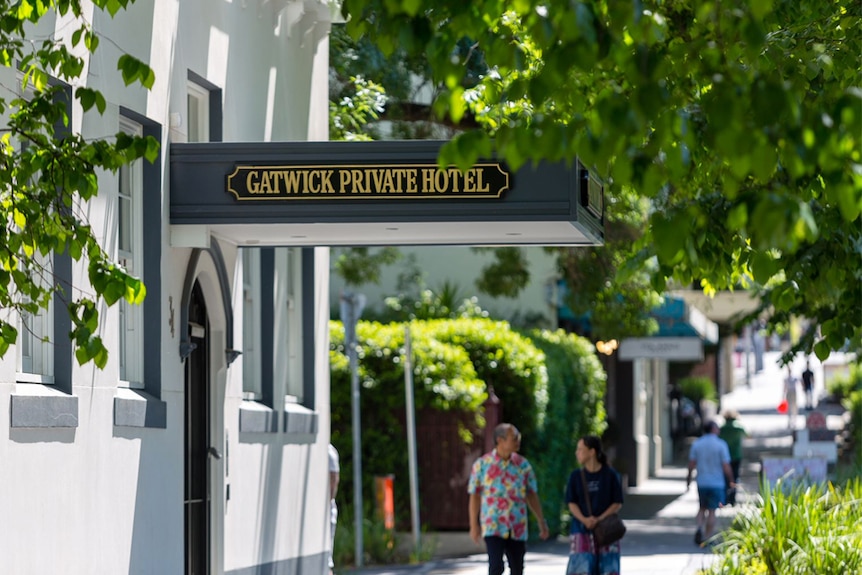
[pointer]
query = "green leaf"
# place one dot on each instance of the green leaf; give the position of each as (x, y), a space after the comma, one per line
(822, 350)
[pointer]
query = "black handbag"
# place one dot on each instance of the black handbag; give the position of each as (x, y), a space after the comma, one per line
(608, 530)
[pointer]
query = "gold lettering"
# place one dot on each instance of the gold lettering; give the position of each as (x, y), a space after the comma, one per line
(441, 181)
(314, 175)
(358, 183)
(479, 187)
(252, 186)
(292, 182)
(469, 180)
(265, 188)
(428, 180)
(411, 181)
(388, 183)
(454, 174)
(327, 182)
(344, 181)
(375, 176)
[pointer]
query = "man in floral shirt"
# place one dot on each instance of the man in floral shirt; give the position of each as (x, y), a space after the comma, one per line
(502, 486)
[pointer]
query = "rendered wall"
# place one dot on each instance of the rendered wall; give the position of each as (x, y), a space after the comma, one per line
(99, 498)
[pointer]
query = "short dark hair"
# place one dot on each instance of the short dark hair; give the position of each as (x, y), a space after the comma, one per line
(711, 427)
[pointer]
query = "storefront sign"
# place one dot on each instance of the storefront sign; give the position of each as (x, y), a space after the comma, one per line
(392, 181)
(667, 348)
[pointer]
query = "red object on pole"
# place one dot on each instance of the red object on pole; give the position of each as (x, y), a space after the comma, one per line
(385, 491)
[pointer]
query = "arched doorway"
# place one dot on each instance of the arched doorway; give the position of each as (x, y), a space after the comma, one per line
(196, 505)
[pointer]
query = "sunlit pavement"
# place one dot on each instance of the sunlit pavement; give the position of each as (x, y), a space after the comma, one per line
(660, 513)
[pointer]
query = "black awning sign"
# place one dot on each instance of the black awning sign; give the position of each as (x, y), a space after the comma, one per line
(390, 181)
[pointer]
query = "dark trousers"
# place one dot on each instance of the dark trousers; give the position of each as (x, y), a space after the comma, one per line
(514, 551)
(731, 493)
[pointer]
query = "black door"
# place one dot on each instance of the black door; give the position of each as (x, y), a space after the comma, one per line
(197, 404)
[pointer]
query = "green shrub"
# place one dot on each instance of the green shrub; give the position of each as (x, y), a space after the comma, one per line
(853, 404)
(453, 362)
(576, 382)
(505, 360)
(843, 384)
(697, 388)
(444, 378)
(796, 531)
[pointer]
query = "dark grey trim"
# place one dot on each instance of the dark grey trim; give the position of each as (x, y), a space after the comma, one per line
(44, 411)
(308, 295)
(144, 410)
(63, 275)
(186, 346)
(152, 257)
(267, 325)
(62, 322)
(257, 419)
(216, 114)
(215, 253)
(305, 565)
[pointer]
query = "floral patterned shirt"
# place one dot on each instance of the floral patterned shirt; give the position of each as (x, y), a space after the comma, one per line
(503, 486)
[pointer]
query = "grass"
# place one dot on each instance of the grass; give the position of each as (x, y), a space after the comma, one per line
(381, 546)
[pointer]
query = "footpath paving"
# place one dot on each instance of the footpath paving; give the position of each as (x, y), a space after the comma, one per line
(659, 513)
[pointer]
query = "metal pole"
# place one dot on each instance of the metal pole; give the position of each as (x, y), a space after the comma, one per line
(411, 436)
(747, 335)
(351, 308)
(357, 451)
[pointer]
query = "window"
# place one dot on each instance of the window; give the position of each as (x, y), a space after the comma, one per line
(198, 112)
(35, 351)
(35, 337)
(272, 347)
(130, 256)
(251, 376)
(287, 329)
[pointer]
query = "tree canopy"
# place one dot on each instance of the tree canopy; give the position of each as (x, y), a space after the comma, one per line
(740, 123)
(48, 172)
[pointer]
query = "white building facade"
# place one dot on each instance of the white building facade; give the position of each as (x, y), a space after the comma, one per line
(202, 446)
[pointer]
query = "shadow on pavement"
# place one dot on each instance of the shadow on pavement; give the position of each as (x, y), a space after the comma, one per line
(645, 506)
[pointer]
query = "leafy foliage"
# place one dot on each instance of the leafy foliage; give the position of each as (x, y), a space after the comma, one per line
(454, 363)
(576, 382)
(697, 388)
(797, 531)
(741, 123)
(48, 174)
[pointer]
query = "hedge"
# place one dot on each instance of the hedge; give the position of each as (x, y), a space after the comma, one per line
(453, 363)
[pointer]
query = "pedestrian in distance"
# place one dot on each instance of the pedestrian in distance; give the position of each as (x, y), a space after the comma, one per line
(733, 433)
(502, 486)
(334, 477)
(593, 492)
(710, 458)
(808, 385)
(790, 384)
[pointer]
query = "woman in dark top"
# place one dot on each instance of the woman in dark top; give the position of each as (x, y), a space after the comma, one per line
(606, 497)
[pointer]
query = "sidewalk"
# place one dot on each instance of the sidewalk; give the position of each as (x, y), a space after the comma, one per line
(659, 513)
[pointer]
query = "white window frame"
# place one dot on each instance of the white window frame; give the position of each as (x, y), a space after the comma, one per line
(35, 350)
(130, 338)
(252, 386)
(287, 325)
(197, 113)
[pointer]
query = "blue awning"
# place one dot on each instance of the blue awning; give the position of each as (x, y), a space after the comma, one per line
(675, 318)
